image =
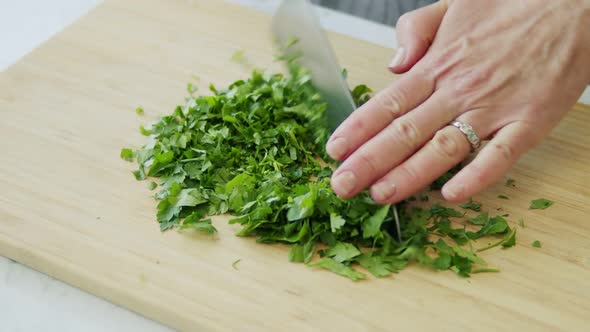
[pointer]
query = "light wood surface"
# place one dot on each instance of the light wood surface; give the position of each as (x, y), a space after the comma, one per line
(70, 207)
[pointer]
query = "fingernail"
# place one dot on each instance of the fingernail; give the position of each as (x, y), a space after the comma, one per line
(383, 191)
(453, 193)
(344, 183)
(336, 148)
(398, 58)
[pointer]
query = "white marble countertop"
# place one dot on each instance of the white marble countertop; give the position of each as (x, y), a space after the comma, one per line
(32, 301)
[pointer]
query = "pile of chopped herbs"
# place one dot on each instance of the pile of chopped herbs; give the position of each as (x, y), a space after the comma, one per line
(256, 151)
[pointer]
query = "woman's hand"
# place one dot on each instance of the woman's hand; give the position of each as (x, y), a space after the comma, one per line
(510, 69)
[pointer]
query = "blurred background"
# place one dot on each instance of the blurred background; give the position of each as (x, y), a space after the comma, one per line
(381, 11)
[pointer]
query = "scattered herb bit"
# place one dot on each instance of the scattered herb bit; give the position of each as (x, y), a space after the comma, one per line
(510, 182)
(480, 219)
(495, 225)
(423, 198)
(339, 268)
(536, 244)
(342, 252)
(510, 239)
(471, 205)
(336, 222)
(540, 203)
(234, 265)
(201, 226)
(127, 154)
(139, 111)
(486, 270)
(521, 222)
(255, 151)
(144, 131)
(361, 93)
(152, 185)
(503, 197)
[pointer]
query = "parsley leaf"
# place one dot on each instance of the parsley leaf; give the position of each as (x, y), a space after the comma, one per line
(540, 203)
(536, 244)
(372, 226)
(480, 219)
(339, 268)
(471, 205)
(127, 154)
(342, 252)
(336, 222)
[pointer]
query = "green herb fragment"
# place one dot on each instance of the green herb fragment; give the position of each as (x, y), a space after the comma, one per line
(255, 150)
(201, 226)
(339, 268)
(540, 203)
(495, 225)
(144, 131)
(486, 270)
(471, 205)
(536, 244)
(380, 266)
(127, 154)
(510, 239)
(139, 111)
(480, 219)
(510, 182)
(234, 265)
(336, 222)
(342, 252)
(503, 197)
(521, 222)
(372, 226)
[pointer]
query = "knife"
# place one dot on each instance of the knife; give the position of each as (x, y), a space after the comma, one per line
(297, 19)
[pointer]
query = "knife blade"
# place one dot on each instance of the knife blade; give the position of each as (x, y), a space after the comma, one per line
(297, 19)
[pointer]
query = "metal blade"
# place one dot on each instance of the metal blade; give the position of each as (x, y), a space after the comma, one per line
(296, 19)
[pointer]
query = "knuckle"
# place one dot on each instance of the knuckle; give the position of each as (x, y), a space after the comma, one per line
(390, 101)
(406, 21)
(445, 144)
(356, 122)
(504, 150)
(369, 162)
(405, 131)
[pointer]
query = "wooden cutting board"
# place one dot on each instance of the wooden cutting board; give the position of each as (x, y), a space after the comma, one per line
(69, 207)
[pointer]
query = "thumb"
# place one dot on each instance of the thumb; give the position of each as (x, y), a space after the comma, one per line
(415, 32)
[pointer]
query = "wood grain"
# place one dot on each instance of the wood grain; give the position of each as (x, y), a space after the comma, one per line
(70, 208)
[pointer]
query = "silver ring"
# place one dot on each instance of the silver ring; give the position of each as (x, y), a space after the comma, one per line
(469, 133)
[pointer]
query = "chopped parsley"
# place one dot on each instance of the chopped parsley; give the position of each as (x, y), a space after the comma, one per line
(255, 151)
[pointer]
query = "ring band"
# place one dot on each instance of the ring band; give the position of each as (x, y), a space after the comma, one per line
(469, 133)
